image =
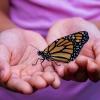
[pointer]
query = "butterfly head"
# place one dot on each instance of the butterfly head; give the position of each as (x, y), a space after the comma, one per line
(44, 55)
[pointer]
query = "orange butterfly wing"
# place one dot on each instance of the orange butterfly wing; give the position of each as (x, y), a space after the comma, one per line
(67, 48)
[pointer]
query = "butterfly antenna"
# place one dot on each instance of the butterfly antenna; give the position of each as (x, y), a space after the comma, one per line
(34, 47)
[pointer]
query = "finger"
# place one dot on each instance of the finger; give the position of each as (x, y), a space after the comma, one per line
(80, 76)
(52, 79)
(4, 71)
(96, 49)
(48, 74)
(92, 66)
(48, 77)
(70, 70)
(56, 83)
(82, 61)
(67, 75)
(4, 63)
(38, 82)
(96, 63)
(49, 68)
(72, 67)
(59, 69)
(76, 72)
(19, 85)
(93, 72)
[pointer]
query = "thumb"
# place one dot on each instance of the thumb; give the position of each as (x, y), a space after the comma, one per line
(4, 63)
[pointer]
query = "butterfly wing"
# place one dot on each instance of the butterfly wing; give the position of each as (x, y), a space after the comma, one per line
(67, 48)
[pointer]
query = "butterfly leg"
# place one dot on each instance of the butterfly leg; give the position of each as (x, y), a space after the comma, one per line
(42, 63)
(35, 62)
(56, 63)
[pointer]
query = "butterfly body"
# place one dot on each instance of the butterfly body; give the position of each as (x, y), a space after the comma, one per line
(45, 55)
(65, 49)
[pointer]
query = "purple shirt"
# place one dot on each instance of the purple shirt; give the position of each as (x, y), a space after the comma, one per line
(38, 15)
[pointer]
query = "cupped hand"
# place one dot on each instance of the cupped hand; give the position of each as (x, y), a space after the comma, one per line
(87, 64)
(17, 58)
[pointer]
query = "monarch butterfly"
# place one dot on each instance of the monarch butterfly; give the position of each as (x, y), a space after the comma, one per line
(65, 49)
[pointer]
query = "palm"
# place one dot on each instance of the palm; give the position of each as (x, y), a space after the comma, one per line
(79, 66)
(23, 76)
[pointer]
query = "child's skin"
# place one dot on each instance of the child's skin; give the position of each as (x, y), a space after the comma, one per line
(14, 50)
(88, 59)
(17, 56)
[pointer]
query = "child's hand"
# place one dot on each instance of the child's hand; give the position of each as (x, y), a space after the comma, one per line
(16, 59)
(87, 64)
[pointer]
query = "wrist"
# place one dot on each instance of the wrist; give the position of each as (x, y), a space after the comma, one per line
(9, 28)
(5, 22)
